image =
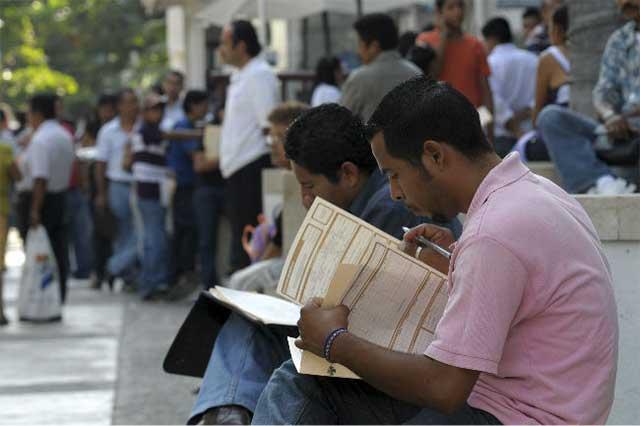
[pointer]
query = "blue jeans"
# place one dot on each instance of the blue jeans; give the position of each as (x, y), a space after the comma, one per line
(569, 138)
(208, 202)
(155, 257)
(81, 231)
(243, 359)
(123, 261)
(292, 398)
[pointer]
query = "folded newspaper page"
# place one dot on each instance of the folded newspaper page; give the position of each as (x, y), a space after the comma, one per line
(395, 300)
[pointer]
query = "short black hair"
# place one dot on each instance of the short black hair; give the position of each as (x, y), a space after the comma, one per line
(440, 4)
(178, 74)
(325, 137)
(560, 18)
(193, 97)
(244, 31)
(499, 29)
(422, 56)
(406, 41)
(377, 27)
(422, 109)
(107, 99)
(44, 104)
(126, 91)
(326, 70)
(532, 12)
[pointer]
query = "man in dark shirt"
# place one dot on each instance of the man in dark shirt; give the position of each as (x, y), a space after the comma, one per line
(332, 159)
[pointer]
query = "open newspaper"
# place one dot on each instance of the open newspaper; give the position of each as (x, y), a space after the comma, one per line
(395, 300)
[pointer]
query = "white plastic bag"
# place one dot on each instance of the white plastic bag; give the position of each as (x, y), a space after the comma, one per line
(39, 298)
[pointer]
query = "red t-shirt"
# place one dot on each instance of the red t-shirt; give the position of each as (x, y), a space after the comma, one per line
(465, 63)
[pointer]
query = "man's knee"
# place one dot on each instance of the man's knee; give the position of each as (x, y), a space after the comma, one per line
(551, 115)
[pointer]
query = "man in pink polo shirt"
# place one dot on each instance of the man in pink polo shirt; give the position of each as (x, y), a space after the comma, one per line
(529, 334)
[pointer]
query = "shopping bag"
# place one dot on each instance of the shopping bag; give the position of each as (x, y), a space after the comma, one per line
(39, 298)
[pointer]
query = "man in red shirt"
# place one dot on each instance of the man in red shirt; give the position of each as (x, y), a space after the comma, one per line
(461, 59)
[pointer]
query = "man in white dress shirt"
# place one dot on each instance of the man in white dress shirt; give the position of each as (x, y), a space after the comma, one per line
(47, 165)
(114, 184)
(513, 84)
(251, 95)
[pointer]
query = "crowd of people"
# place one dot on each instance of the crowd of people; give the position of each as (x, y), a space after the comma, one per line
(395, 147)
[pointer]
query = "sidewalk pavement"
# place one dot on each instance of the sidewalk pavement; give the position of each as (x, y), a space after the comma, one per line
(101, 365)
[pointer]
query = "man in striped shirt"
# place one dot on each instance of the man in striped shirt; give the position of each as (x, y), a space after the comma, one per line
(150, 173)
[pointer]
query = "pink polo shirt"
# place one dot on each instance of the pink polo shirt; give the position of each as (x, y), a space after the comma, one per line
(531, 304)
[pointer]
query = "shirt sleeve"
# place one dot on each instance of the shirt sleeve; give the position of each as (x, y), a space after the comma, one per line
(608, 91)
(351, 97)
(39, 161)
(486, 289)
(264, 97)
(103, 147)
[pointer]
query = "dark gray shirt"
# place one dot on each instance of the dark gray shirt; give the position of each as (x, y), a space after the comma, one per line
(367, 85)
(375, 206)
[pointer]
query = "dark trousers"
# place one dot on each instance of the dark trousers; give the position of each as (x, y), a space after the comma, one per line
(208, 202)
(243, 198)
(184, 242)
(54, 219)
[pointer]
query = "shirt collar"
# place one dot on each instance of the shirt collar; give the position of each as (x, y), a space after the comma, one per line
(240, 72)
(374, 183)
(503, 48)
(387, 56)
(628, 32)
(504, 174)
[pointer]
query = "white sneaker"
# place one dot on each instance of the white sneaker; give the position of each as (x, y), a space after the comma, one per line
(608, 185)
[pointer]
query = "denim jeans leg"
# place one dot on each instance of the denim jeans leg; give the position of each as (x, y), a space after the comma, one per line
(243, 359)
(569, 138)
(292, 398)
(155, 247)
(124, 247)
(207, 205)
(81, 229)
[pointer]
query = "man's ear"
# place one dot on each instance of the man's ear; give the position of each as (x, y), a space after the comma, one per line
(349, 173)
(433, 155)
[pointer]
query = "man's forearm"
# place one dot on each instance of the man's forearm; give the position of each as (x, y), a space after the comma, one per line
(415, 379)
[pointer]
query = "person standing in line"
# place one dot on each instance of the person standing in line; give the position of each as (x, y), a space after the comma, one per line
(48, 161)
(114, 185)
(251, 95)
(208, 196)
(172, 85)
(149, 167)
(329, 77)
(461, 59)
(8, 173)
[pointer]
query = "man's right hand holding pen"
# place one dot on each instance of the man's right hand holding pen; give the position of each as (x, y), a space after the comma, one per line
(442, 237)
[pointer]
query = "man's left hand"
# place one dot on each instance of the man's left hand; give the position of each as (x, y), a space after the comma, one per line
(316, 323)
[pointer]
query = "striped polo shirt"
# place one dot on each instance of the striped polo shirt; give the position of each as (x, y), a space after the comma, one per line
(149, 161)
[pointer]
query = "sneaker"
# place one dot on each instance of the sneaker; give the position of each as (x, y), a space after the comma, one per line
(608, 185)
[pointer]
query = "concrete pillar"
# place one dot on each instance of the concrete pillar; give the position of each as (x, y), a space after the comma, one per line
(591, 23)
(196, 53)
(176, 38)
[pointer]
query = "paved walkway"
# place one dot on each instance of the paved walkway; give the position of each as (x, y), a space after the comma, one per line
(101, 365)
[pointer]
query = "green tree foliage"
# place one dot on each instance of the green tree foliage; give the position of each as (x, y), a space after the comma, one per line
(78, 48)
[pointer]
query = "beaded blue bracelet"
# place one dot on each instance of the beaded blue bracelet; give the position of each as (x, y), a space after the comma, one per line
(329, 341)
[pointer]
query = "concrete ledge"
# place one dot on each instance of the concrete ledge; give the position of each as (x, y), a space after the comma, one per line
(545, 169)
(616, 218)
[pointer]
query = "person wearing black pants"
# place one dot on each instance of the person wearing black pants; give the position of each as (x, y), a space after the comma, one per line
(54, 219)
(243, 195)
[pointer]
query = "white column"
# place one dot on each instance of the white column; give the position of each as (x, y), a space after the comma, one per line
(196, 54)
(176, 38)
